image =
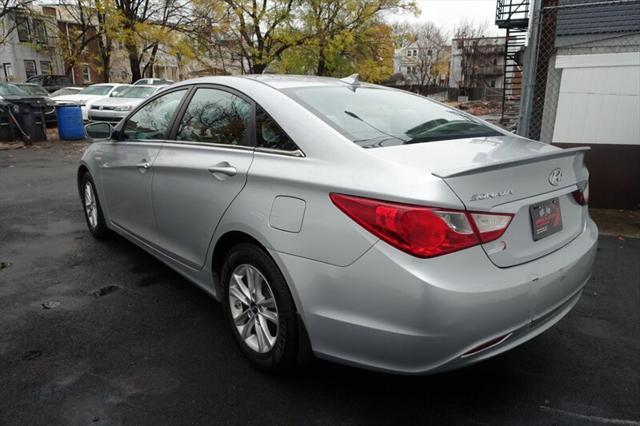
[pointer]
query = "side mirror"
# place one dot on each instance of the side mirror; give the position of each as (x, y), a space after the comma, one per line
(99, 131)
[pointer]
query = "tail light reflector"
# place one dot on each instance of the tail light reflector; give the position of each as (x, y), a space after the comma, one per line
(490, 226)
(581, 195)
(486, 345)
(422, 231)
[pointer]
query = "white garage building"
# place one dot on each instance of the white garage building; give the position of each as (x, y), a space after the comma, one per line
(587, 91)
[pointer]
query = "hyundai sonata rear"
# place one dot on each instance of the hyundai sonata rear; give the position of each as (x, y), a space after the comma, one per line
(372, 226)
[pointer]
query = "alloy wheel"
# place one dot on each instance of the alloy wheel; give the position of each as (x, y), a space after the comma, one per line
(90, 206)
(253, 308)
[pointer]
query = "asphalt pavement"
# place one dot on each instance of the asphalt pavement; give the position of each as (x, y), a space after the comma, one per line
(102, 333)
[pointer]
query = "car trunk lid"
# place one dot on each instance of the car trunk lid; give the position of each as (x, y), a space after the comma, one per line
(512, 175)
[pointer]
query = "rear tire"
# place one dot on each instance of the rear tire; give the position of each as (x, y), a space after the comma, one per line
(259, 308)
(92, 208)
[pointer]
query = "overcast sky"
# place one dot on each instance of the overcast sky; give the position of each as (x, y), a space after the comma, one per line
(447, 13)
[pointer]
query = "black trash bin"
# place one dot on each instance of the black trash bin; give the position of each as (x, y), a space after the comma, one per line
(29, 112)
(7, 128)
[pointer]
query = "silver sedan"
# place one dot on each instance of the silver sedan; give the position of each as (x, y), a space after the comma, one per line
(349, 221)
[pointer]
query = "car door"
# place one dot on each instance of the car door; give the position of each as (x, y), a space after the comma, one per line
(198, 175)
(127, 165)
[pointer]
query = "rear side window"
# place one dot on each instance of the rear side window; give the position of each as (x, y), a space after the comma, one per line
(270, 135)
(152, 121)
(216, 116)
(373, 117)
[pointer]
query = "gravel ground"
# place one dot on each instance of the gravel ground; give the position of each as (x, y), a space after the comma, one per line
(102, 333)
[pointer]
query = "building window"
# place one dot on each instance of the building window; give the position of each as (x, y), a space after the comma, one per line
(45, 67)
(8, 71)
(493, 83)
(429, 52)
(22, 25)
(86, 73)
(409, 52)
(40, 31)
(30, 68)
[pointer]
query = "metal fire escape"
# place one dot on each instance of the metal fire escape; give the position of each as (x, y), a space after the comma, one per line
(512, 15)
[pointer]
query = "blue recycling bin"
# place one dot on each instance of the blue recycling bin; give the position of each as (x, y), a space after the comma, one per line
(70, 124)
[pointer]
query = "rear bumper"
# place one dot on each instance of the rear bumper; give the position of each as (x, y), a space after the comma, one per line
(393, 312)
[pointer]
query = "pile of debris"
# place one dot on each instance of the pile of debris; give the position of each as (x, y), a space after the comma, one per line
(481, 107)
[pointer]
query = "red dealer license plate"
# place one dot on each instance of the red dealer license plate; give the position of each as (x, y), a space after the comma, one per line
(545, 218)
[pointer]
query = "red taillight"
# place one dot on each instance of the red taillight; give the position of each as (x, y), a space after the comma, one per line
(422, 231)
(582, 194)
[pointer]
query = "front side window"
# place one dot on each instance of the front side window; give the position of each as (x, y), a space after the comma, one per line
(216, 116)
(154, 119)
(373, 117)
(270, 135)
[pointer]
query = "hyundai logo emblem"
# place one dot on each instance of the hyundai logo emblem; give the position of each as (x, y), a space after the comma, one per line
(555, 177)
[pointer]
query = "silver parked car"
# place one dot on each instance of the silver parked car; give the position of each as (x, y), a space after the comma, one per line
(118, 106)
(362, 224)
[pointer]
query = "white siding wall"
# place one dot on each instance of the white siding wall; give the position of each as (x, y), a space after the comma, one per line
(599, 99)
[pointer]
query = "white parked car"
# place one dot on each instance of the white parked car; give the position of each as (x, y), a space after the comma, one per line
(90, 94)
(115, 108)
(71, 90)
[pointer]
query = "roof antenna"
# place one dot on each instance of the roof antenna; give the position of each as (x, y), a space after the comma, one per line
(353, 80)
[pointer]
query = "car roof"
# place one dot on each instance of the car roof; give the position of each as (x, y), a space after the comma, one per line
(286, 81)
(281, 81)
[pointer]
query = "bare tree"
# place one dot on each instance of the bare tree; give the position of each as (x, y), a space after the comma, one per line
(89, 35)
(474, 54)
(468, 28)
(430, 42)
(263, 29)
(145, 25)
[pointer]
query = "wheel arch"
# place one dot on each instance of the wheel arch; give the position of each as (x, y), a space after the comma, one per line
(222, 247)
(234, 237)
(82, 170)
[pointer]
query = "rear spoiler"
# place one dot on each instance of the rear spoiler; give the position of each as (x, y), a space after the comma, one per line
(463, 171)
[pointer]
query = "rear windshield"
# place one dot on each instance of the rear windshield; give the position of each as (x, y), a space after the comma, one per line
(96, 90)
(374, 117)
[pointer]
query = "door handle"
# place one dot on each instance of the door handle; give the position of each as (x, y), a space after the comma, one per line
(223, 168)
(143, 165)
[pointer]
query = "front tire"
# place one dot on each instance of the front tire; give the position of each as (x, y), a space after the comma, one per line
(92, 208)
(259, 308)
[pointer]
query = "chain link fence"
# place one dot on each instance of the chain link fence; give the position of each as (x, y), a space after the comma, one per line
(561, 28)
